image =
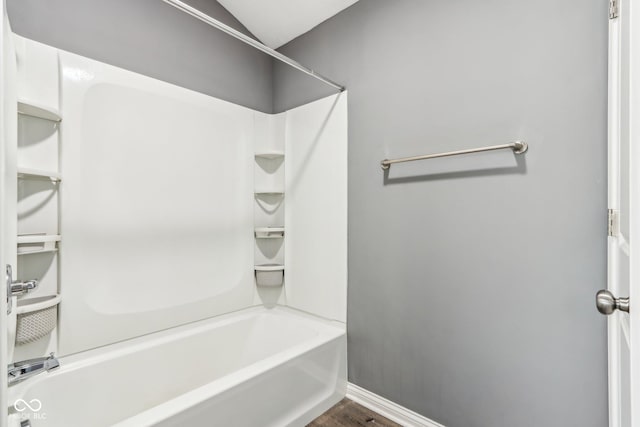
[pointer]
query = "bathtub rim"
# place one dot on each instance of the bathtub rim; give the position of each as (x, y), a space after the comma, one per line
(192, 398)
(328, 330)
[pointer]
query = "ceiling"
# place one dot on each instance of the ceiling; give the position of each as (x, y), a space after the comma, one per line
(276, 22)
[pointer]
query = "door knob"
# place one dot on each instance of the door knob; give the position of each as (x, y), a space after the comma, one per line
(607, 303)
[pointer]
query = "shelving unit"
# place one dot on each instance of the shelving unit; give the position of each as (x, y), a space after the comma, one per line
(34, 109)
(269, 170)
(38, 196)
(39, 159)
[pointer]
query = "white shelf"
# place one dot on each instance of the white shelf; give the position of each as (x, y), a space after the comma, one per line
(269, 232)
(38, 251)
(27, 173)
(35, 109)
(29, 305)
(269, 193)
(269, 267)
(38, 238)
(271, 275)
(271, 155)
(37, 243)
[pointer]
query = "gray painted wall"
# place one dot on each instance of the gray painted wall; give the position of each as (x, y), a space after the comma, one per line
(471, 293)
(152, 38)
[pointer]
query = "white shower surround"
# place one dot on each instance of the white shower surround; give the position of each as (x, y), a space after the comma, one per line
(157, 205)
(157, 222)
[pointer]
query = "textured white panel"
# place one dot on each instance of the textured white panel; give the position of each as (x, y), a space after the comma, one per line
(157, 205)
(316, 207)
(276, 22)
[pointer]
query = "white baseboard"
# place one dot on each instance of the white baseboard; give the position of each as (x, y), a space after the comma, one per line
(388, 409)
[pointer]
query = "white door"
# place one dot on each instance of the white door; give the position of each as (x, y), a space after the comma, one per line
(8, 189)
(624, 220)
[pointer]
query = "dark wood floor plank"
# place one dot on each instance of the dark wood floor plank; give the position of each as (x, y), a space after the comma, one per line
(347, 413)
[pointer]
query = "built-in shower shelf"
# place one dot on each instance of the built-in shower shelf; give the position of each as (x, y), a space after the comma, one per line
(37, 243)
(36, 318)
(269, 267)
(269, 193)
(27, 173)
(269, 274)
(271, 155)
(29, 305)
(269, 232)
(35, 109)
(37, 251)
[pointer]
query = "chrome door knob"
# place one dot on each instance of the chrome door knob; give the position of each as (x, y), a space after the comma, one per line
(607, 303)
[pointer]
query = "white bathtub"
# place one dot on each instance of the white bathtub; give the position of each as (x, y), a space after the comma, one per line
(253, 368)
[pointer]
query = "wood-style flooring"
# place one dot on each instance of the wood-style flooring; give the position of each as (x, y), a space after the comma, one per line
(348, 413)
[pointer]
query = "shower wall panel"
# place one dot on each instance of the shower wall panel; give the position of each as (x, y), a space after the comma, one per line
(157, 205)
(316, 207)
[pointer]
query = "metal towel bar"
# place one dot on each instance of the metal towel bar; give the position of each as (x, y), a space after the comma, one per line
(518, 147)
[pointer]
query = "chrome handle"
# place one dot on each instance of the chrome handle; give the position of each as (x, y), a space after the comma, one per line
(16, 288)
(21, 288)
(9, 279)
(607, 303)
(20, 371)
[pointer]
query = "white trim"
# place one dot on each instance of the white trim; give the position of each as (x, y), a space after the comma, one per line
(387, 408)
(631, 123)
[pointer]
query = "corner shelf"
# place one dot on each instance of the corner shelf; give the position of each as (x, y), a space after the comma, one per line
(36, 318)
(269, 227)
(269, 232)
(35, 109)
(269, 193)
(27, 173)
(37, 243)
(269, 267)
(271, 155)
(38, 251)
(28, 305)
(271, 275)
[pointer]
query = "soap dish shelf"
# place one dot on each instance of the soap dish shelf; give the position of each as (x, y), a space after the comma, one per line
(37, 243)
(261, 193)
(269, 267)
(36, 318)
(27, 173)
(269, 232)
(30, 108)
(270, 155)
(269, 274)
